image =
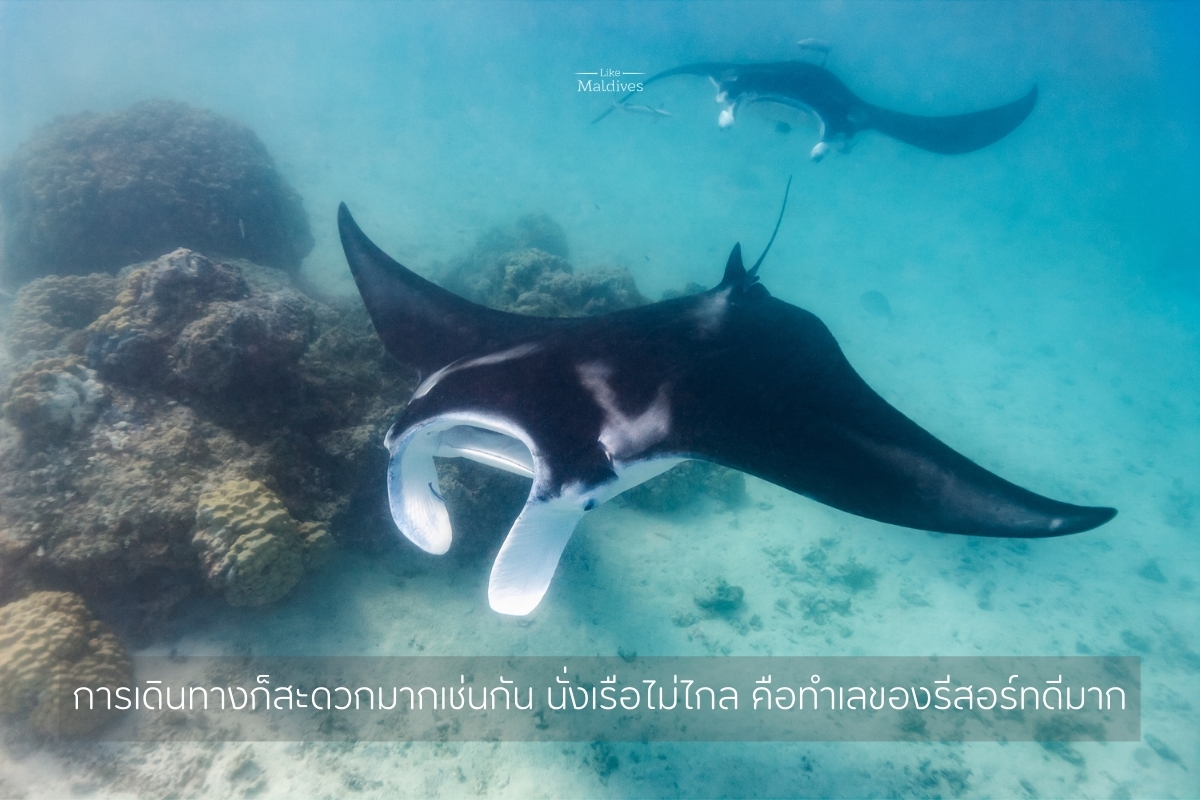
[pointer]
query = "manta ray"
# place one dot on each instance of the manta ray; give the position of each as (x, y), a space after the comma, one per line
(841, 113)
(589, 407)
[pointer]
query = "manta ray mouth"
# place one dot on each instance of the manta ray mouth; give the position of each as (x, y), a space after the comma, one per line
(414, 494)
(529, 556)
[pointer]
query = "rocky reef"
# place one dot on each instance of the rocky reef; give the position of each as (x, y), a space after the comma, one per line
(93, 193)
(524, 269)
(138, 400)
(45, 314)
(50, 644)
(190, 325)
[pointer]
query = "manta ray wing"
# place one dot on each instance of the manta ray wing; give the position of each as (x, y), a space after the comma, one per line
(790, 409)
(421, 324)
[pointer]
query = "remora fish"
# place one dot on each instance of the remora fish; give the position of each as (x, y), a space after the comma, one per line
(640, 109)
(841, 113)
(590, 407)
(817, 46)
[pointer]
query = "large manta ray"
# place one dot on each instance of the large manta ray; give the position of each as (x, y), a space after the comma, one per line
(589, 407)
(815, 90)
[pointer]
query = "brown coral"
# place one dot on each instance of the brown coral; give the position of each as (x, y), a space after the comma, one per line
(91, 193)
(250, 547)
(118, 506)
(210, 371)
(51, 645)
(47, 311)
(524, 269)
(199, 326)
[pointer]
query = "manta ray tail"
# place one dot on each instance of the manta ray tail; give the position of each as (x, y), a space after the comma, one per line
(420, 323)
(955, 134)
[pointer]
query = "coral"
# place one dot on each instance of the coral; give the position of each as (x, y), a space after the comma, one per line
(720, 597)
(200, 326)
(92, 193)
(50, 645)
(525, 270)
(250, 548)
(539, 232)
(52, 399)
(211, 372)
(539, 284)
(117, 507)
(48, 310)
(316, 543)
(690, 288)
(685, 483)
(238, 341)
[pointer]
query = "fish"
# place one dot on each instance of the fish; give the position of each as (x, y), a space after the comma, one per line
(590, 407)
(643, 109)
(875, 302)
(817, 46)
(841, 113)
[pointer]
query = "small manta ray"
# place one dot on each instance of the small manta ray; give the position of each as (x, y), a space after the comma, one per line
(815, 90)
(589, 407)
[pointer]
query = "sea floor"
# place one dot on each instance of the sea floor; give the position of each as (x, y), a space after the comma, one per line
(818, 581)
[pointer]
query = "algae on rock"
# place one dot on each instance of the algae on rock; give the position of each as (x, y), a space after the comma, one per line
(524, 269)
(52, 399)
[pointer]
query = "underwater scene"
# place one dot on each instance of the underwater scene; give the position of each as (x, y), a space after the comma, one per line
(730, 338)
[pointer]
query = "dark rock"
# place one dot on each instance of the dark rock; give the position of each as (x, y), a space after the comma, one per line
(196, 326)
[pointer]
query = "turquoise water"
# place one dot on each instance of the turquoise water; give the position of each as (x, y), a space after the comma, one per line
(1044, 296)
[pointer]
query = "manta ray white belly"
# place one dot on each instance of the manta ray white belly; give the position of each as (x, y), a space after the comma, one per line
(529, 556)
